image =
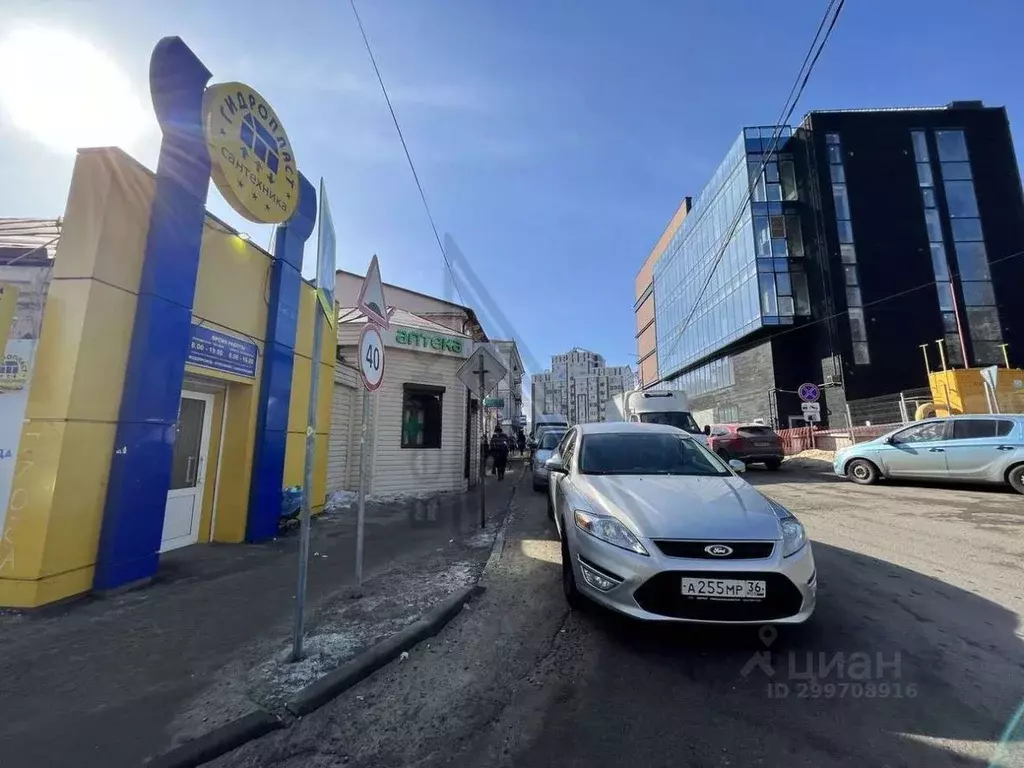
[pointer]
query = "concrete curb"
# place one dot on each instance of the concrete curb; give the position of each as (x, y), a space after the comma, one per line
(498, 548)
(332, 684)
(234, 734)
(219, 741)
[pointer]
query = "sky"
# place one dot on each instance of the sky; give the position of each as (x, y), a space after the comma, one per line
(554, 140)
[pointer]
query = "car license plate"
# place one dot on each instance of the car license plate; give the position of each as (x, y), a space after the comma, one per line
(724, 589)
(762, 443)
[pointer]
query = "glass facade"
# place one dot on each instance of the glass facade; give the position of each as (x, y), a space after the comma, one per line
(759, 278)
(847, 250)
(717, 374)
(971, 267)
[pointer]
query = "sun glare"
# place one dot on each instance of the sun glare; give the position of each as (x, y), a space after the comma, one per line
(66, 93)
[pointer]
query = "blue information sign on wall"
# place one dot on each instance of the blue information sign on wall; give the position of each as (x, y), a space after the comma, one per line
(212, 349)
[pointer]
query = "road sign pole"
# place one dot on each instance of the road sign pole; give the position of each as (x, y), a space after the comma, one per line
(473, 373)
(361, 508)
(483, 456)
(305, 516)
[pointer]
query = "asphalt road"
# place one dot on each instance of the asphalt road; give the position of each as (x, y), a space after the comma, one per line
(916, 654)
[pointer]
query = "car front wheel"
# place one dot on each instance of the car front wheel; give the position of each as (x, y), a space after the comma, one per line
(862, 472)
(572, 593)
(1016, 478)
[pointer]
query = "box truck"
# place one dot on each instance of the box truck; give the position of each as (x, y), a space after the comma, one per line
(670, 407)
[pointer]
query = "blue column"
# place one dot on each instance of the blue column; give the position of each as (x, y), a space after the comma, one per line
(276, 378)
(140, 468)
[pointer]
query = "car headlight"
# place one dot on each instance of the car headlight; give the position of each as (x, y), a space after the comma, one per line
(609, 530)
(794, 537)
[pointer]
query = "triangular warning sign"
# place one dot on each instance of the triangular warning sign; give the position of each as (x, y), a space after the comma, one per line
(371, 296)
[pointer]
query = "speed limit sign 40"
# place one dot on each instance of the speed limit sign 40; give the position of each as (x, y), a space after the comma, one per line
(371, 357)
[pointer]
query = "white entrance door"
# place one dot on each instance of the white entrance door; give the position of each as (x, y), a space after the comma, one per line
(188, 471)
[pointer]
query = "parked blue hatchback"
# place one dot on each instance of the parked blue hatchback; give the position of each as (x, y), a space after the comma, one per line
(973, 449)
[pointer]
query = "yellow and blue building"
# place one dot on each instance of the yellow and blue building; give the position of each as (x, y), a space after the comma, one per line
(167, 402)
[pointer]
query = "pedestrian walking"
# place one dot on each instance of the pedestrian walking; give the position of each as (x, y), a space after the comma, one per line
(521, 443)
(499, 450)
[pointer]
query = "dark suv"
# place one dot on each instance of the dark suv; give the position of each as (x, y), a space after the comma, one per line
(750, 443)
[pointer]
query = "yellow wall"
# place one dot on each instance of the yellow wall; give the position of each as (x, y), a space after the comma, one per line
(50, 539)
(55, 510)
(298, 405)
(231, 296)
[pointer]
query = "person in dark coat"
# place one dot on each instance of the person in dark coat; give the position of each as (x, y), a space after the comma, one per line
(499, 452)
(521, 443)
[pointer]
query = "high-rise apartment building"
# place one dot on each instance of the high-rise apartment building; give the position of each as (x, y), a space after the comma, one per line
(578, 386)
(868, 234)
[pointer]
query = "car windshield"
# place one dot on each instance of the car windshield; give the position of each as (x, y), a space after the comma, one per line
(680, 419)
(654, 453)
(755, 431)
(550, 441)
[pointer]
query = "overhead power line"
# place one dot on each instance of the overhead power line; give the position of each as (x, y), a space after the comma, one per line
(405, 147)
(827, 23)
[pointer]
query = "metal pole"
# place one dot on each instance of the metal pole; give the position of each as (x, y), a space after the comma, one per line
(988, 396)
(903, 409)
(305, 516)
(927, 365)
(483, 459)
(361, 508)
(849, 419)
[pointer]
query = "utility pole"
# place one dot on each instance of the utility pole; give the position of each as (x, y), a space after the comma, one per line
(361, 504)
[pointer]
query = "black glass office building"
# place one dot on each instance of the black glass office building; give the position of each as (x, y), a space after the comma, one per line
(868, 234)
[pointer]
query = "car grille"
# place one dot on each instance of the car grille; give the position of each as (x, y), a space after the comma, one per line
(661, 594)
(694, 550)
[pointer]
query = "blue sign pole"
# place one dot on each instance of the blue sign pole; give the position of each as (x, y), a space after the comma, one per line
(325, 295)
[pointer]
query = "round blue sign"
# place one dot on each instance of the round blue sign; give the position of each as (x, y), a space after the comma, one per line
(809, 393)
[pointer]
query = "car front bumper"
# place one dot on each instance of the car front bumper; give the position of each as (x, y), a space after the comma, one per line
(649, 586)
(839, 464)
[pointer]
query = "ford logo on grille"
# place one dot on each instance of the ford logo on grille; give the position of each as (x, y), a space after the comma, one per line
(718, 550)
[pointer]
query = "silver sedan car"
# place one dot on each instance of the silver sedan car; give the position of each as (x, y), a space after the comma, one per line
(656, 526)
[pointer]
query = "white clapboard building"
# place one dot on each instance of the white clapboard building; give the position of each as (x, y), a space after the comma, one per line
(423, 430)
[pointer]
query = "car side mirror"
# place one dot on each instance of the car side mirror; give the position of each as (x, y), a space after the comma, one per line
(707, 429)
(555, 464)
(737, 466)
(889, 440)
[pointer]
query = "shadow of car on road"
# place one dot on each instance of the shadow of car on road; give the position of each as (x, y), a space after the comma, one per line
(758, 475)
(892, 658)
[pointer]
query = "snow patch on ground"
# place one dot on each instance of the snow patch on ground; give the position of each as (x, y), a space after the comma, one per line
(348, 625)
(341, 499)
